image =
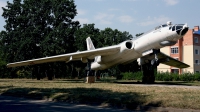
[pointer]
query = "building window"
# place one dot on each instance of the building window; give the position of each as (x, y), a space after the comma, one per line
(196, 62)
(174, 70)
(196, 51)
(197, 71)
(196, 40)
(174, 50)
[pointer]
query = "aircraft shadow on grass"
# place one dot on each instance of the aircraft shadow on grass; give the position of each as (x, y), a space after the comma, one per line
(89, 96)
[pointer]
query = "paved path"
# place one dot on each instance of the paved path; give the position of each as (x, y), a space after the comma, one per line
(16, 104)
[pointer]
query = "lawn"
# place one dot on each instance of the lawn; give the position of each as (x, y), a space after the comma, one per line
(123, 94)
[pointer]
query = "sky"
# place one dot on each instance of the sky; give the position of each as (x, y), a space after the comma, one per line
(133, 16)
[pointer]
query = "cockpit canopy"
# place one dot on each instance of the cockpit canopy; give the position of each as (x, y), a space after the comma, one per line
(169, 23)
(181, 29)
(161, 26)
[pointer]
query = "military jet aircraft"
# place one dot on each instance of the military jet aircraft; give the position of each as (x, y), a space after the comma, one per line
(145, 49)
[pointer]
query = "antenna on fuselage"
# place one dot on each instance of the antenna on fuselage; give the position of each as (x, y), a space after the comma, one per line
(169, 23)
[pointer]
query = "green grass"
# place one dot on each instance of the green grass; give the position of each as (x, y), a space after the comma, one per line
(111, 93)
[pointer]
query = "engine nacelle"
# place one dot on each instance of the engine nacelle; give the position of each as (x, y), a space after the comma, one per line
(124, 48)
(126, 45)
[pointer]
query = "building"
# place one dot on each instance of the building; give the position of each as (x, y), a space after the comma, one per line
(187, 50)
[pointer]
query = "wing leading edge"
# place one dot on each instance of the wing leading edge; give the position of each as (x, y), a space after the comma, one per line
(82, 55)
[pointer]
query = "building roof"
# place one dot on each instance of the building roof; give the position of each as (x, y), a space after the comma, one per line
(197, 32)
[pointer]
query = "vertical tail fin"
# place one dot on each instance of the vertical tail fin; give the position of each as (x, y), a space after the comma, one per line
(90, 45)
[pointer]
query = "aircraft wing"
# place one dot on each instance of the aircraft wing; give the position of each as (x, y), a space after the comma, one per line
(167, 60)
(82, 55)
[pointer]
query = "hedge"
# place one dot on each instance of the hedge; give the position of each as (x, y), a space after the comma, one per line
(163, 76)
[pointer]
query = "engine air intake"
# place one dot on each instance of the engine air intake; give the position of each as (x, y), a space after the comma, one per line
(129, 45)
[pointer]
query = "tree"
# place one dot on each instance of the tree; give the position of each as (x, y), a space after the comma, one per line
(39, 28)
(109, 36)
(2, 61)
(87, 30)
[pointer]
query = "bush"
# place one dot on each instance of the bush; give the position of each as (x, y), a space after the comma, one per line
(23, 74)
(197, 76)
(166, 76)
(162, 76)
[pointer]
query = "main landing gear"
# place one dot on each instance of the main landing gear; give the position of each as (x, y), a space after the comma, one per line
(90, 74)
(148, 70)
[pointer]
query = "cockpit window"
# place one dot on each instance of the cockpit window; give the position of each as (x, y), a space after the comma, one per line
(179, 27)
(173, 28)
(170, 28)
(164, 25)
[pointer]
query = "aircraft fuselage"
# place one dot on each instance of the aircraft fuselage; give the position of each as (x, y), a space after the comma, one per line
(130, 50)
